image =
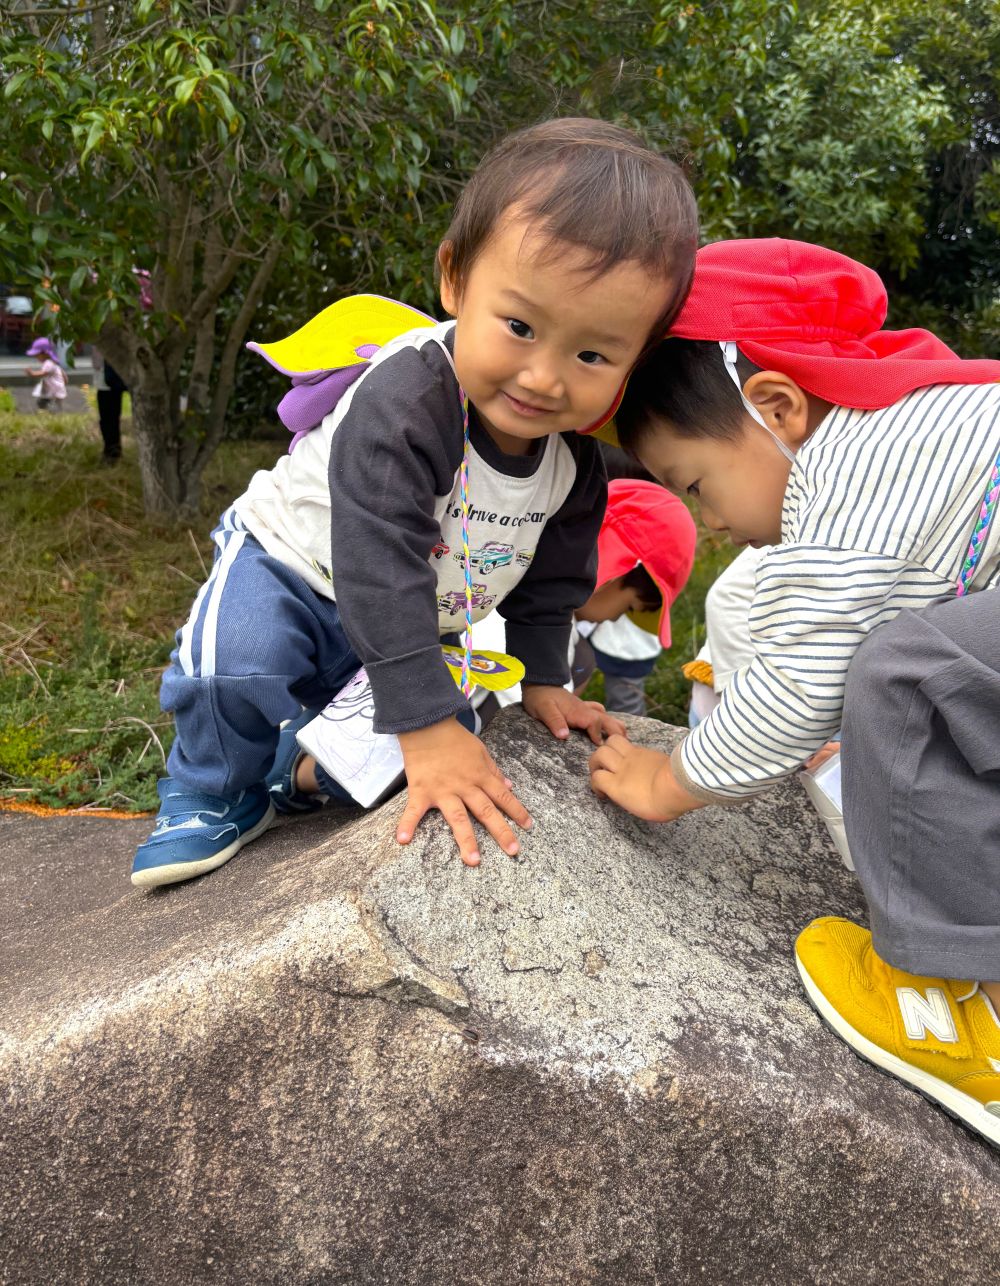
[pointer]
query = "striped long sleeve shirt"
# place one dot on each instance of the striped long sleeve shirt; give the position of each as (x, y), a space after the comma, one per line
(877, 517)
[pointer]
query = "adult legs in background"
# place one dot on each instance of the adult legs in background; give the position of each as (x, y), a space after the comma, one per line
(109, 412)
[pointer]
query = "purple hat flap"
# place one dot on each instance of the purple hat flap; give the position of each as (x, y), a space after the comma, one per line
(312, 397)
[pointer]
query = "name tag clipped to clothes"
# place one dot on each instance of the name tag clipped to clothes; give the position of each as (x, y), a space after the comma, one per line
(369, 764)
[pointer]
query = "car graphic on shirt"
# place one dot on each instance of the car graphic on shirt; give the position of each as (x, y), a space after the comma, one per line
(523, 557)
(489, 557)
(454, 601)
(440, 549)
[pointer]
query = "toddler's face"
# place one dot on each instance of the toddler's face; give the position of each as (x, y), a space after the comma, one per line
(540, 346)
(739, 484)
(610, 601)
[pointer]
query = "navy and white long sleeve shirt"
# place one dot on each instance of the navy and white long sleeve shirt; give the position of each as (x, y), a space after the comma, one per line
(877, 517)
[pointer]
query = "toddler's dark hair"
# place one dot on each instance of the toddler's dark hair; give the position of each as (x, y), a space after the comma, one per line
(641, 581)
(589, 183)
(685, 383)
(619, 464)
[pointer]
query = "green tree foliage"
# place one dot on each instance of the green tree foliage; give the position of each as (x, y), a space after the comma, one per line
(262, 157)
(217, 144)
(954, 286)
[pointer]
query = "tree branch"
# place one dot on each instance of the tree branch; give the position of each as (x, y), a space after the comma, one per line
(204, 349)
(234, 342)
(62, 13)
(207, 298)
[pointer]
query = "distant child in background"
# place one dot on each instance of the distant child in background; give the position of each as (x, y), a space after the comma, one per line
(50, 391)
(870, 460)
(569, 251)
(644, 556)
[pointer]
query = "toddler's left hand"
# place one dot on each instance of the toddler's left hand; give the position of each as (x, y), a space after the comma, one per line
(560, 710)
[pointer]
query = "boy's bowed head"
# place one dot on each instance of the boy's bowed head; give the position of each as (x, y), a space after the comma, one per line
(802, 311)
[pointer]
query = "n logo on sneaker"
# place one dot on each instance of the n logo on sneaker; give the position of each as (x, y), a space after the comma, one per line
(928, 1015)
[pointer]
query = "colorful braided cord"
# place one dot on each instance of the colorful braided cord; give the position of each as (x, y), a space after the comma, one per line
(466, 556)
(980, 532)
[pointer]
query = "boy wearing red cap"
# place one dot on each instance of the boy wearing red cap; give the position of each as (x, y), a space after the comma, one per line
(869, 460)
(645, 552)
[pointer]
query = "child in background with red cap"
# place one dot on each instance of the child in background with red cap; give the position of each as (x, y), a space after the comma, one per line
(645, 552)
(870, 460)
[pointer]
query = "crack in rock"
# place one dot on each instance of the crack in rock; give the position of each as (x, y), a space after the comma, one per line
(364, 959)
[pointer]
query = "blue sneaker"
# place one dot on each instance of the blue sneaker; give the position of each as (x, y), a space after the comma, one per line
(280, 780)
(195, 833)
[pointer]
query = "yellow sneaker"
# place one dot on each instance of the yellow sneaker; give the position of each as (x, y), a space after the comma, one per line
(940, 1036)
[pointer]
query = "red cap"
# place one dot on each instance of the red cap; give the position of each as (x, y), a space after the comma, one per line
(816, 316)
(646, 524)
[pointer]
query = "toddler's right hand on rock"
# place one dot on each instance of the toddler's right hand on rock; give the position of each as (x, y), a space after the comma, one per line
(449, 768)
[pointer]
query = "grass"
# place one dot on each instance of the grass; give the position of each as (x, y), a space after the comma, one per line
(93, 592)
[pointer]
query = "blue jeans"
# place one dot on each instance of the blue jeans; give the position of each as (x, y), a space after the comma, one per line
(260, 644)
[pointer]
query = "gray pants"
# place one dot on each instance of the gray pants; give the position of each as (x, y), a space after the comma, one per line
(624, 696)
(921, 776)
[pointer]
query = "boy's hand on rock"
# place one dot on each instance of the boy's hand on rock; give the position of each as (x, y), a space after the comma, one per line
(560, 710)
(640, 781)
(448, 768)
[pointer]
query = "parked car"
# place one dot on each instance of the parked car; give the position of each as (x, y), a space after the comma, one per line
(16, 322)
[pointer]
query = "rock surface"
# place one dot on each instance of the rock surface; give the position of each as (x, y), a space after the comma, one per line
(335, 1060)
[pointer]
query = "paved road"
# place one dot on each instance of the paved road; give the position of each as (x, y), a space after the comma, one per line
(60, 869)
(12, 370)
(20, 384)
(25, 403)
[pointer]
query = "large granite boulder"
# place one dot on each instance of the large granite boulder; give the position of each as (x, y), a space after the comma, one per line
(336, 1060)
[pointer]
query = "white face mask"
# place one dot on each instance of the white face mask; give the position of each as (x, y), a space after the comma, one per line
(729, 353)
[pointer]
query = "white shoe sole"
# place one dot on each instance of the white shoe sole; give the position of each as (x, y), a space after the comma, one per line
(154, 876)
(955, 1102)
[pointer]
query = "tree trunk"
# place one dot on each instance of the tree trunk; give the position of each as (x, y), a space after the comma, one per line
(171, 475)
(171, 488)
(225, 374)
(174, 446)
(199, 390)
